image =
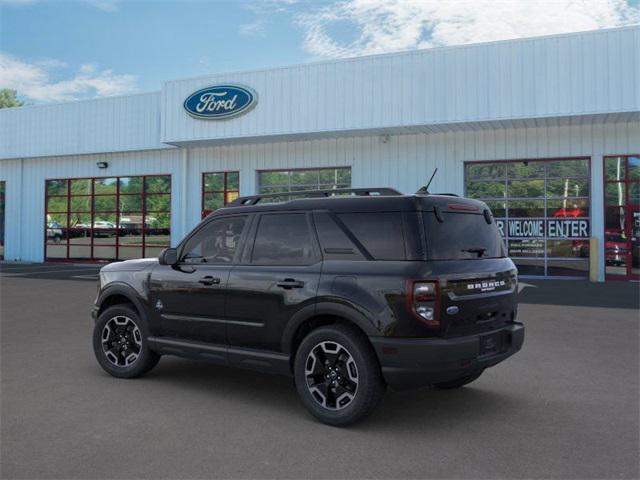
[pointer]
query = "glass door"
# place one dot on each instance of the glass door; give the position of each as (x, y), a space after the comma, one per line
(622, 217)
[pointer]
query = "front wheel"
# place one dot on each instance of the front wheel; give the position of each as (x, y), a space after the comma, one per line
(459, 382)
(337, 375)
(120, 343)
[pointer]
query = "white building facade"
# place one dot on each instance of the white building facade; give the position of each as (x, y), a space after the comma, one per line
(545, 130)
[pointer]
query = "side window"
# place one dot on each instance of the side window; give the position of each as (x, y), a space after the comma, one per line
(335, 243)
(380, 233)
(216, 243)
(283, 239)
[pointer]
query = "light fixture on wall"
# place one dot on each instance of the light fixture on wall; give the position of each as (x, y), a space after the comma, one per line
(102, 164)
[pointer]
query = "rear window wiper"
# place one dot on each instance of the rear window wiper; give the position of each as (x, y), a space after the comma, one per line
(479, 250)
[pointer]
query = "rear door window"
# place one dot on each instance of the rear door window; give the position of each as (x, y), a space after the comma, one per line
(380, 233)
(462, 236)
(283, 239)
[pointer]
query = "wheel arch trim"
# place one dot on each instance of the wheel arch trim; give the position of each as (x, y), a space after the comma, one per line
(310, 312)
(125, 290)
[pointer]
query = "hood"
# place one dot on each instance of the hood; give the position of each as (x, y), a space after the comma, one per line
(136, 265)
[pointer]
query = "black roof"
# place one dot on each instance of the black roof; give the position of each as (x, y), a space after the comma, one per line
(390, 201)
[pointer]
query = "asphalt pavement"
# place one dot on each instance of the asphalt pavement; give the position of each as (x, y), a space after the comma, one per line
(566, 406)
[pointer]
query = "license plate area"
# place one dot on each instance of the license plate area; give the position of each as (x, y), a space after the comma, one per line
(492, 344)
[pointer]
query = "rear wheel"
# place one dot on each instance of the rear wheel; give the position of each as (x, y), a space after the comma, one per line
(120, 343)
(459, 382)
(337, 375)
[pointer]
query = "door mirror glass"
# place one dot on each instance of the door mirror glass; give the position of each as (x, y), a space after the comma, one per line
(169, 256)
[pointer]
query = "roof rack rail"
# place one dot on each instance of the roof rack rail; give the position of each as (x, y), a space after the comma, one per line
(360, 192)
(446, 194)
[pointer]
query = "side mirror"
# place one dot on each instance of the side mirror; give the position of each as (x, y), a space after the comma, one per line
(169, 256)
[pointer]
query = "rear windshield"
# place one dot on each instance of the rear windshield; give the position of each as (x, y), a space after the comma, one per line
(462, 236)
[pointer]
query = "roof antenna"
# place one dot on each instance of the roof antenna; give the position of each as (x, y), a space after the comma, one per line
(425, 189)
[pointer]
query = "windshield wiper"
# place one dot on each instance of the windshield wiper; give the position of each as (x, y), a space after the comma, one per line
(479, 250)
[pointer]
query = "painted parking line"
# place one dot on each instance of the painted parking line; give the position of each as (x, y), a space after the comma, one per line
(90, 277)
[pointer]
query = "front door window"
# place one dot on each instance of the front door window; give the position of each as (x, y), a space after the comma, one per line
(622, 217)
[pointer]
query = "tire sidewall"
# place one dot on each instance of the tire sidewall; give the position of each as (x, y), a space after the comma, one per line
(368, 375)
(145, 360)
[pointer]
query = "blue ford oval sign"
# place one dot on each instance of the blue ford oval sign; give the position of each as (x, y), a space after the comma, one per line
(220, 101)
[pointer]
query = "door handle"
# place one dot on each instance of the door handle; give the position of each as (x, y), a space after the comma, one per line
(209, 280)
(289, 283)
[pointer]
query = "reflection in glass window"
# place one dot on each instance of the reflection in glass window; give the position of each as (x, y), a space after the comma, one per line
(634, 168)
(527, 169)
(615, 193)
(216, 242)
(551, 195)
(525, 188)
(526, 208)
(574, 187)
(486, 189)
(568, 168)
(106, 218)
(105, 186)
(614, 168)
(572, 208)
(486, 171)
(219, 189)
(283, 239)
(300, 180)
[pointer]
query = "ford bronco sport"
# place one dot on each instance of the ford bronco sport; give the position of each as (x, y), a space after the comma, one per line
(347, 291)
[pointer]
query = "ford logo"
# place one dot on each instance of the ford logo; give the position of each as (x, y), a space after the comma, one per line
(220, 101)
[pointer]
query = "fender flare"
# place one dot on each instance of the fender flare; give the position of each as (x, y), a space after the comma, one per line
(349, 313)
(125, 290)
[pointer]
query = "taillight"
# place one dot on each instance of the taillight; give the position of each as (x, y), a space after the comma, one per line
(423, 300)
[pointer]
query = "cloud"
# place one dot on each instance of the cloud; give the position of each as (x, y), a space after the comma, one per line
(252, 29)
(34, 80)
(390, 25)
(104, 5)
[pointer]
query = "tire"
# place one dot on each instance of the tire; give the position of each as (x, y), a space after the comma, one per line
(352, 365)
(126, 329)
(458, 382)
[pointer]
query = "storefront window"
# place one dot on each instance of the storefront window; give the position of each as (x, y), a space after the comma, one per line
(542, 210)
(218, 189)
(107, 218)
(278, 181)
(622, 217)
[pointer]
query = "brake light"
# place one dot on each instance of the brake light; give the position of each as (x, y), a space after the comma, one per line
(423, 301)
(463, 207)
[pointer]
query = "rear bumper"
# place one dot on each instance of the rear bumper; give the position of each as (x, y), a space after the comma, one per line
(410, 362)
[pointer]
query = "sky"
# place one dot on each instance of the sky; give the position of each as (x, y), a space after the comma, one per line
(54, 50)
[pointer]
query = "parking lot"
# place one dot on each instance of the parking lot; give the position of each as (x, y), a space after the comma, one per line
(566, 406)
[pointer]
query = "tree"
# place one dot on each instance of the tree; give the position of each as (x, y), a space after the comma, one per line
(8, 98)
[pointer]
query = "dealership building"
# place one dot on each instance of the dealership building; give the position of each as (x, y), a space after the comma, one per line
(545, 130)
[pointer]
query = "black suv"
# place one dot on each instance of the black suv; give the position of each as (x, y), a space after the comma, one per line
(348, 291)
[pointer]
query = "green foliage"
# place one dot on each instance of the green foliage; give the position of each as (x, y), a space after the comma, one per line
(8, 98)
